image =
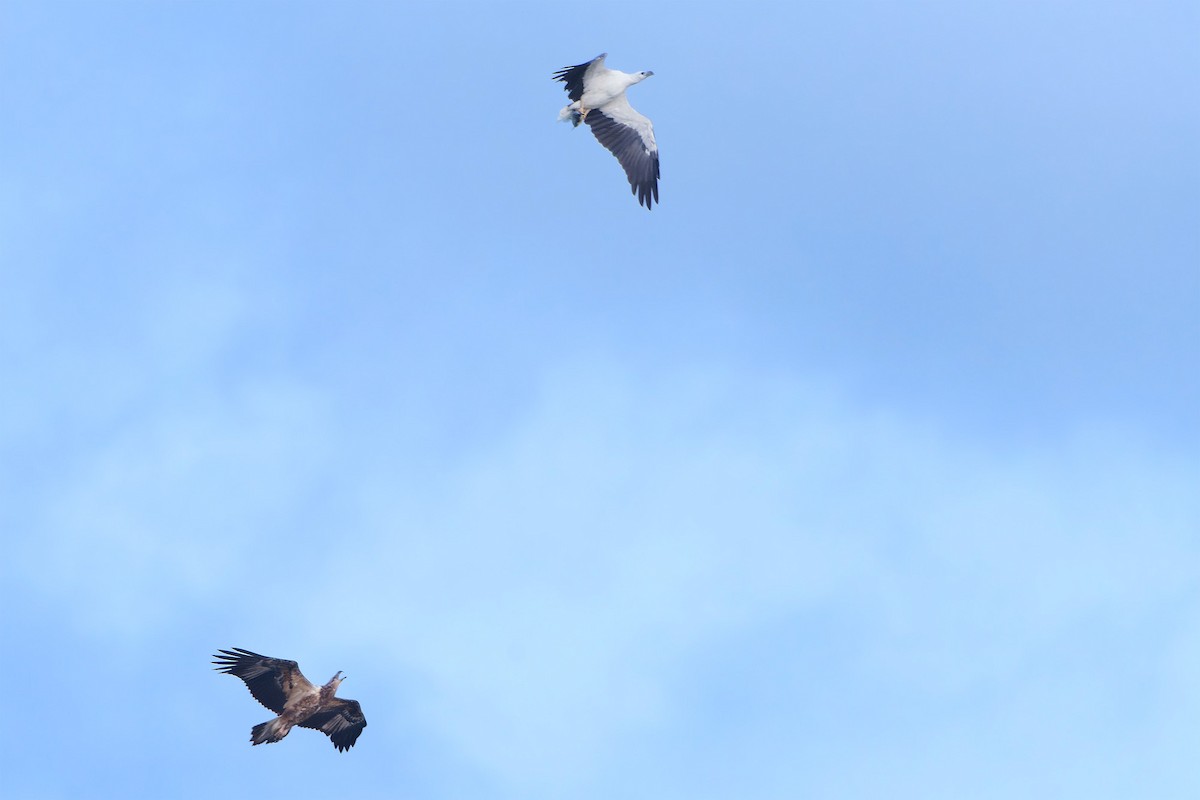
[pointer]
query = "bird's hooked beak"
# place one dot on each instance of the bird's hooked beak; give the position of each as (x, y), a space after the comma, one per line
(648, 73)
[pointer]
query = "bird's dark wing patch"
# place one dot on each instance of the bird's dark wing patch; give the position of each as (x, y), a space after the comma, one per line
(573, 77)
(271, 680)
(341, 720)
(640, 163)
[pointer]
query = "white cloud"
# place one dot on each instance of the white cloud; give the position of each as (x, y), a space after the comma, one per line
(550, 586)
(549, 590)
(165, 509)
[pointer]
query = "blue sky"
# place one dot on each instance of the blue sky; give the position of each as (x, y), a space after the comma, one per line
(863, 466)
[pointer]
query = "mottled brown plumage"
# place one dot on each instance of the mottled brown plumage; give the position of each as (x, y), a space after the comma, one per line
(280, 686)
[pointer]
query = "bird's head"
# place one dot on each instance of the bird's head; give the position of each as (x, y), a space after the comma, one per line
(336, 680)
(646, 73)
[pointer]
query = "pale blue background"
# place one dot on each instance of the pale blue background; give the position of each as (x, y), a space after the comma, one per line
(865, 466)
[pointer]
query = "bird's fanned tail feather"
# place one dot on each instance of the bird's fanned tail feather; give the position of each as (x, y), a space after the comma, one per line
(570, 114)
(267, 732)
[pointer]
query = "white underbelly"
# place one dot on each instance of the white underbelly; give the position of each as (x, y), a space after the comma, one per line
(597, 98)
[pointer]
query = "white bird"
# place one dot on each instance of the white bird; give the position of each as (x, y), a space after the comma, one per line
(598, 98)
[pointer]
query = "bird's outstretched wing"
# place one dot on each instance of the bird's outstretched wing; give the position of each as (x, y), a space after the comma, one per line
(574, 76)
(272, 681)
(341, 720)
(630, 137)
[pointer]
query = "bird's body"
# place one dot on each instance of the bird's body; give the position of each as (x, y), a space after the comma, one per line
(598, 98)
(280, 686)
(602, 88)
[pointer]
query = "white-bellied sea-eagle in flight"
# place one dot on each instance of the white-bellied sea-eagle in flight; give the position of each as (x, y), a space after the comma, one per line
(598, 98)
(279, 685)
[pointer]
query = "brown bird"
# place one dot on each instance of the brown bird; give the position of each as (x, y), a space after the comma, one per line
(280, 686)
